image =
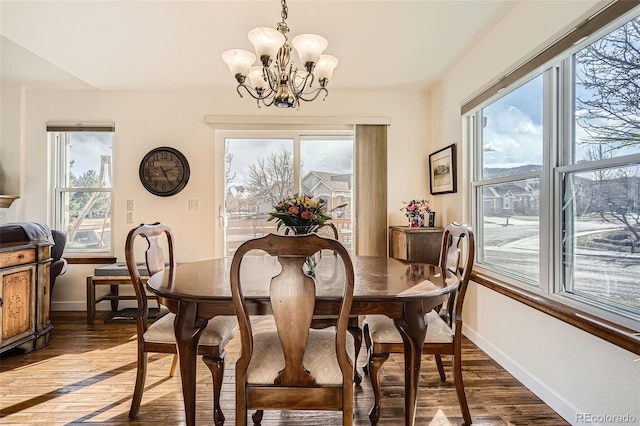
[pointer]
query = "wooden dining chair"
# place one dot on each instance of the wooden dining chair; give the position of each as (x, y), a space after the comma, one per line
(444, 327)
(159, 336)
(287, 364)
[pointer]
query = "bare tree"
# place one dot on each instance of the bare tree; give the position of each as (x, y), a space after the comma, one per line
(271, 177)
(608, 72)
(608, 110)
(229, 176)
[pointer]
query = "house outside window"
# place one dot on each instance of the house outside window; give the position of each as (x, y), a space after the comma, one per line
(83, 186)
(556, 188)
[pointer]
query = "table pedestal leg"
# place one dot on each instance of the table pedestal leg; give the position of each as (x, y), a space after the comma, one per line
(413, 329)
(188, 330)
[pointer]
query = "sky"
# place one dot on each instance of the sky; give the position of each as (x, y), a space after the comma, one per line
(512, 135)
(319, 155)
(86, 149)
(513, 131)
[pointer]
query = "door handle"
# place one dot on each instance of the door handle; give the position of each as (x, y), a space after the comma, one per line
(222, 217)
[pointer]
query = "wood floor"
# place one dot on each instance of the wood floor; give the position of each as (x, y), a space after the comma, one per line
(86, 376)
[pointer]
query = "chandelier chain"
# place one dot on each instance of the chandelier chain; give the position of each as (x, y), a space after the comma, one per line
(282, 26)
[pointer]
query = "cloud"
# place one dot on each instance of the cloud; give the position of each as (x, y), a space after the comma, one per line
(513, 134)
(512, 139)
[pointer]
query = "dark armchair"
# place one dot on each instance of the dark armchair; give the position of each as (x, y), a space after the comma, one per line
(58, 263)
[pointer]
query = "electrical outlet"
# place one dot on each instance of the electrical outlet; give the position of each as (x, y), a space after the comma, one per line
(194, 204)
(129, 217)
(129, 205)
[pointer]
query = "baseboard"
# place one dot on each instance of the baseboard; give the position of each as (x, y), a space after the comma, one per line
(554, 400)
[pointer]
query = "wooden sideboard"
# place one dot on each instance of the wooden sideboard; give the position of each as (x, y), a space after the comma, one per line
(24, 295)
(415, 244)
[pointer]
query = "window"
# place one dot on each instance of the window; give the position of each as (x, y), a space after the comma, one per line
(83, 186)
(509, 158)
(556, 187)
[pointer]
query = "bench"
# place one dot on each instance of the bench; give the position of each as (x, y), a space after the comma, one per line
(113, 275)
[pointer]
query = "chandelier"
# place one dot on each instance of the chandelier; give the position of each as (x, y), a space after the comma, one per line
(276, 80)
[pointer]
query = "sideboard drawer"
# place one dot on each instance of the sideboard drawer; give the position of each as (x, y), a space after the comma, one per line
(18, 257)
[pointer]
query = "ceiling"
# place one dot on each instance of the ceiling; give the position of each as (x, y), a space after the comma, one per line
(174, 45)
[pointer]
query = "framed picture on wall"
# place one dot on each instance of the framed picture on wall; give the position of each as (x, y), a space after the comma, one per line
(442, 170)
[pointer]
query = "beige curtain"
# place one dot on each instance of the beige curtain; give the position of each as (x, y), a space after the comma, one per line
(371, 183)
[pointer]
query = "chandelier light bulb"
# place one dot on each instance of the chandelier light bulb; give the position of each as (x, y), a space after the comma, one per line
(324, 68)
(256, 77)
(266, 42)
(309, 48)
(239, 62)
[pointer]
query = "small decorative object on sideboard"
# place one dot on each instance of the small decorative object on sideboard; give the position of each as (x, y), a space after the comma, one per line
(415, 210)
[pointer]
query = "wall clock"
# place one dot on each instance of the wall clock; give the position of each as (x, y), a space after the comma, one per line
(164, 171)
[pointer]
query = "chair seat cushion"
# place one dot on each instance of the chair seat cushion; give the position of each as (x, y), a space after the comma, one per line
(383, 330)
(319, 358)
(218, 332)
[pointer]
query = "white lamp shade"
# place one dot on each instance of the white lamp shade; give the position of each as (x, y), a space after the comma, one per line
(325, 66)
(239, 61)
(266, 41)
(309, 47)
(256, 78)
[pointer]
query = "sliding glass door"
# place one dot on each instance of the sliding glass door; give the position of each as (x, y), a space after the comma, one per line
(261, 168)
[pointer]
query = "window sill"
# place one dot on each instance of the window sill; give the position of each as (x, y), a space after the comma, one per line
(613, 333)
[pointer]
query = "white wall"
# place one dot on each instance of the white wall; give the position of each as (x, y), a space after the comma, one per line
(145, 120)
(572, 371)
(11, 102)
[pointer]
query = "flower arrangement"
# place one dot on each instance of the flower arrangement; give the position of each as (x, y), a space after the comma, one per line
(301, 212)
(415, 211)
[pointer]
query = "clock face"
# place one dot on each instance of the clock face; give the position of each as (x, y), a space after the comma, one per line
(164, 171)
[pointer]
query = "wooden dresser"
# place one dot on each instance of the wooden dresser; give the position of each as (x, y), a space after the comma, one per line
(24, 294)
(415, 244)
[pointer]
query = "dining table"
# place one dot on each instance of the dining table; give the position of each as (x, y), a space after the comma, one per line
(401, 290)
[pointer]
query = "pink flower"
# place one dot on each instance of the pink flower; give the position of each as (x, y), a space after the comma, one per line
(305, 215)
(411, 207)
(293, 210)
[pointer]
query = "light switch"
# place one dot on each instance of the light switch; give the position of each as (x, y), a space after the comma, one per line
(194, 204)
(129, 217)
(129, 205)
